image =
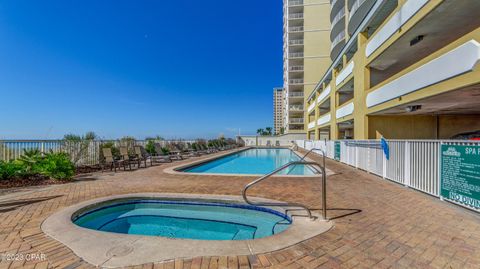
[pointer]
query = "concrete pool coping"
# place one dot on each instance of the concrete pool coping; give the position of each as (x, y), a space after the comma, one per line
(176, 170)
(119, 250)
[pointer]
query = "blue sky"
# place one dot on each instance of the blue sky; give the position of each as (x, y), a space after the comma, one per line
(182, 68)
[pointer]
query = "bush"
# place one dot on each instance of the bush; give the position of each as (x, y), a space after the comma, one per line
(57, 166)
(150, 147)
(165, 151)
(10, 170)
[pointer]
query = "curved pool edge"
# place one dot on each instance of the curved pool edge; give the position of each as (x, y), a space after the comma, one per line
(119, 250)
(176, 169)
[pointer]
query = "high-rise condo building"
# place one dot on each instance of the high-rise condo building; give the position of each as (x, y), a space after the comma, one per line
(306, 54)
(278, 110)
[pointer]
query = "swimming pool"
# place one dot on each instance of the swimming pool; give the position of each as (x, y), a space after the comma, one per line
(184, 219)
(258, 161)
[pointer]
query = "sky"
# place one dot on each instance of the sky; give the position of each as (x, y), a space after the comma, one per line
(178, 69)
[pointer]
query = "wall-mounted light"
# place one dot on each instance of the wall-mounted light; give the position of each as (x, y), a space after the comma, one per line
(413, 108)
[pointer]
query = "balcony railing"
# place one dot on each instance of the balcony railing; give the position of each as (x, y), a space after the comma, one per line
(295, 16)
(355, 7)
(295, 29)
(295, 107)
(295, 2)
(296, 68)
(338, 17)
(297, 54)
(295, 94)
(296, 120)
(296, 81)
(295, 42)
(338, 39)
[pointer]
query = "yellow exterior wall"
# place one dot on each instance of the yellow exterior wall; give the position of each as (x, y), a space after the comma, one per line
(367, 126)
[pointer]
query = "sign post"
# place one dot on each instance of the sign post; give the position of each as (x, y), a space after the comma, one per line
(337, 150)
(460, 175)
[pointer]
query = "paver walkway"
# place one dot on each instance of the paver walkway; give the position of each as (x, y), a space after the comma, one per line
(378, 224)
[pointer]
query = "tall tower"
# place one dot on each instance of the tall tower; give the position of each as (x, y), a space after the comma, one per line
(278, 109)
(306, 55)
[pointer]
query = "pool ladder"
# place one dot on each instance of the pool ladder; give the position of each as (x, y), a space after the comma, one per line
(316, 166)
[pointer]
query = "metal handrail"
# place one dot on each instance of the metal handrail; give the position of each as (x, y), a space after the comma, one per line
(302, 161)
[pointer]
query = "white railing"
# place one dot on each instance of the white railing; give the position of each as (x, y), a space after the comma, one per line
(338, 39)
(295, 94)
(296, 68)
(295, 2)
(296, 120)
(295, 55)
(296, 81)
(295, 29)
(338, 17)
(295, 42)
(81, 153)
(413, 163)
(296, 107)
(355, 7)
(295, 16)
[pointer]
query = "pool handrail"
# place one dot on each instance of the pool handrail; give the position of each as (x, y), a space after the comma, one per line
(302, 161)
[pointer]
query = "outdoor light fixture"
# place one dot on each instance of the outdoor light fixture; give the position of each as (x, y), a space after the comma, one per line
(413, 108)
(416, 40)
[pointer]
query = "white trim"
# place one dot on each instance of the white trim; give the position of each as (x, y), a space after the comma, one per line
(324, 119)
(344, 73)
(396, 21)
(324, 94)
(453, 63)
(311, 125)
(345, 111)
(311, 107)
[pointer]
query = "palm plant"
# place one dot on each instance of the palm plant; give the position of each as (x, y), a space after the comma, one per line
(268, 130)
(260, 131)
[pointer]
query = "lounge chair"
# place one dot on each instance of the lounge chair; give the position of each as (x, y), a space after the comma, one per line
(269, 143)
(108, 159)
(166, 157)
(277, 143)
(157, 158)
(142, 156)
(127, 159)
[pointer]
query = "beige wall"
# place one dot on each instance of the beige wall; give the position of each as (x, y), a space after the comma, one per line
(456, 124)
(402, 127)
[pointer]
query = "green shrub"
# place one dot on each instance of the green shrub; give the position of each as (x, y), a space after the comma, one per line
(165, 151)
(30, 162)
(194, 146)
(57, 166)
(10, 170)
(150, 147)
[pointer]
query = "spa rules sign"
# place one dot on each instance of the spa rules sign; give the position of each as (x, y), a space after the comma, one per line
(460, 175)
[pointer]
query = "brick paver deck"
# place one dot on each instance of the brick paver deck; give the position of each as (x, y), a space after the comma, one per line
(378, 224)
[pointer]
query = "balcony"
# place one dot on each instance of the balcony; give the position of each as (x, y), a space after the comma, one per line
(311, 125)
(295, 81)
(337, 44)
(295, 107)
(335, 7)
(296, 68)
(295, 42)
(295, 95)
(296, 120)
(295, 29)
(295, 3)
(338, 24)
(358, 12)
(295, 55)
(295, 16)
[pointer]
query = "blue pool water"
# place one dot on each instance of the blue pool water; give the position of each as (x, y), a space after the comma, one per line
(185, 219)
(253, 161)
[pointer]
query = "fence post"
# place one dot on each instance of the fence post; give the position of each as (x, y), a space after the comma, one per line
(439, 170)
(384, 165)
(407, 164)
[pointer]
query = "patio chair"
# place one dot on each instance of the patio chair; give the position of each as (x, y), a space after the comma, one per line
(269, 143)
(127, 159)
(108, 159)
(277, 143)
(154, 158)
(166, 157)
(142, 156)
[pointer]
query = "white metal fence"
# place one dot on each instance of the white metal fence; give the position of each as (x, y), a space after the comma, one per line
(413, 163)
(82, 153)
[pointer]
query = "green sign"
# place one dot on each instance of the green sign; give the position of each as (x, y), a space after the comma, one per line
(337, 150)
(460, 175)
